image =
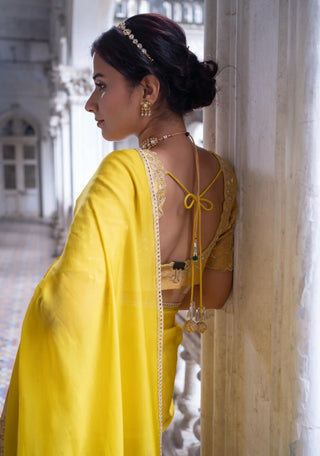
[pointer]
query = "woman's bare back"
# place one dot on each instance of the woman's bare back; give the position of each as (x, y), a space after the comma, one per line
(176, 221)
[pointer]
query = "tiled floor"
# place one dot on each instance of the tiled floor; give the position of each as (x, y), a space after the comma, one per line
(25, 255)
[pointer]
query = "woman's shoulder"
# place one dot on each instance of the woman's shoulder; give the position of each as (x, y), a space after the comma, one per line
(121, 156)
(117, 172)
(219, 162)
(119, 164)
(230, 179)
(223, 162)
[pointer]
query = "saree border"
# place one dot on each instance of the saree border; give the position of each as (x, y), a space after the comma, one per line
(155, 211)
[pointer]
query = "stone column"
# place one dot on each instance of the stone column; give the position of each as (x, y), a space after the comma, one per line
(260, 368)
(302, 284)
(61, 161)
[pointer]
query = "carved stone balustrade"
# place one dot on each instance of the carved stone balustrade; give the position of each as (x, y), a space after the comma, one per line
(182, 438)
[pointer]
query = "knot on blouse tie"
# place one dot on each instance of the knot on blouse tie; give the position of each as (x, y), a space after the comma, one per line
(191, 199)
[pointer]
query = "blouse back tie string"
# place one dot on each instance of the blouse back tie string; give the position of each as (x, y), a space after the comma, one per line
(196, 315)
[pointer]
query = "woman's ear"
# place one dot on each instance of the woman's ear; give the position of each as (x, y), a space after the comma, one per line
(151, 88)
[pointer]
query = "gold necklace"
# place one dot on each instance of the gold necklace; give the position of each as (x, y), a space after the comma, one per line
(153, 141)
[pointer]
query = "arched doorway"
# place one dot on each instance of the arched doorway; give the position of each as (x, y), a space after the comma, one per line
(20, 168)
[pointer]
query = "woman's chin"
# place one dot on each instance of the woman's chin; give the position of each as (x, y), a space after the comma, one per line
(107, 136)
(112, 137)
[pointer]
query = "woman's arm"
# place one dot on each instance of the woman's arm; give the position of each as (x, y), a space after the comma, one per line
(216, 289)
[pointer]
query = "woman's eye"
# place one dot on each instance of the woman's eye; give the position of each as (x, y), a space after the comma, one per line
(100, 85)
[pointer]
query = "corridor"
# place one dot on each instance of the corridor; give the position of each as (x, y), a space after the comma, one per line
(25, 255)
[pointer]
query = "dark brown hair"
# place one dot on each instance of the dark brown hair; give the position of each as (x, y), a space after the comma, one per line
(185, 82)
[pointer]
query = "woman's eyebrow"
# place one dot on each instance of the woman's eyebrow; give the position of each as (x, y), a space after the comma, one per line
(97, 75)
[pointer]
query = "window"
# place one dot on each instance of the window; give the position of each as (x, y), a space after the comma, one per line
(10, 177)
(9, 152)
(29, 176)
(29, 152)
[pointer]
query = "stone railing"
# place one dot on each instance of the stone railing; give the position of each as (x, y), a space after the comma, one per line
(182, 438)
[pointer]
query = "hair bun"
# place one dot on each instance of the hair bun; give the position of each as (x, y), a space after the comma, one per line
(202, 82)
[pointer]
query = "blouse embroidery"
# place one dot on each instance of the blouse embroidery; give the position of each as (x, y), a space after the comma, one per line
(221, 255)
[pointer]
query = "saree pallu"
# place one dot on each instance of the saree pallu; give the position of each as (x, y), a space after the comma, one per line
(88, 374)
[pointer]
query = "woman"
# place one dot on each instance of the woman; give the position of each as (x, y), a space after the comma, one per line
(152, 234)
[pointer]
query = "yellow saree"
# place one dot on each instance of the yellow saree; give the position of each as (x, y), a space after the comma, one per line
(88, 374)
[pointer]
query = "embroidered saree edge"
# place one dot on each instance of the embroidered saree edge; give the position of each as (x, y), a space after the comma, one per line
(154, 201)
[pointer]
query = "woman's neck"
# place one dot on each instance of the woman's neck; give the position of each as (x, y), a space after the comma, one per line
(157, 128)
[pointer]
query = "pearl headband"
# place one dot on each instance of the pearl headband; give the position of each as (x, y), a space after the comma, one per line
(130, 35)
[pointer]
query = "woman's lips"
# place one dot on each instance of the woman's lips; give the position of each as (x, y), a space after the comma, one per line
(99, 123)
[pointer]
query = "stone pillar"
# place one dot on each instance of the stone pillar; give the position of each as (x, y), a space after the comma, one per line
(58, 153)
(260, 375)
(304, 220)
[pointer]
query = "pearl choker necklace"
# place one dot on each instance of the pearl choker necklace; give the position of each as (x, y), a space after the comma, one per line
(151, 142)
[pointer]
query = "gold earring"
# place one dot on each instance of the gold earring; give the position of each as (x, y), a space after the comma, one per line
(145, 108)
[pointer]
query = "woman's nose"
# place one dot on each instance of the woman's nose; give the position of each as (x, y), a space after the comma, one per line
(89, 106)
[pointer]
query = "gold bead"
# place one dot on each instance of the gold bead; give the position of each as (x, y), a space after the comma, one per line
(190, 326)
(201, 327)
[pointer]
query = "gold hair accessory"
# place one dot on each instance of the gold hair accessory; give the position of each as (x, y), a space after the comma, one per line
(130, 35)
(145, 108)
